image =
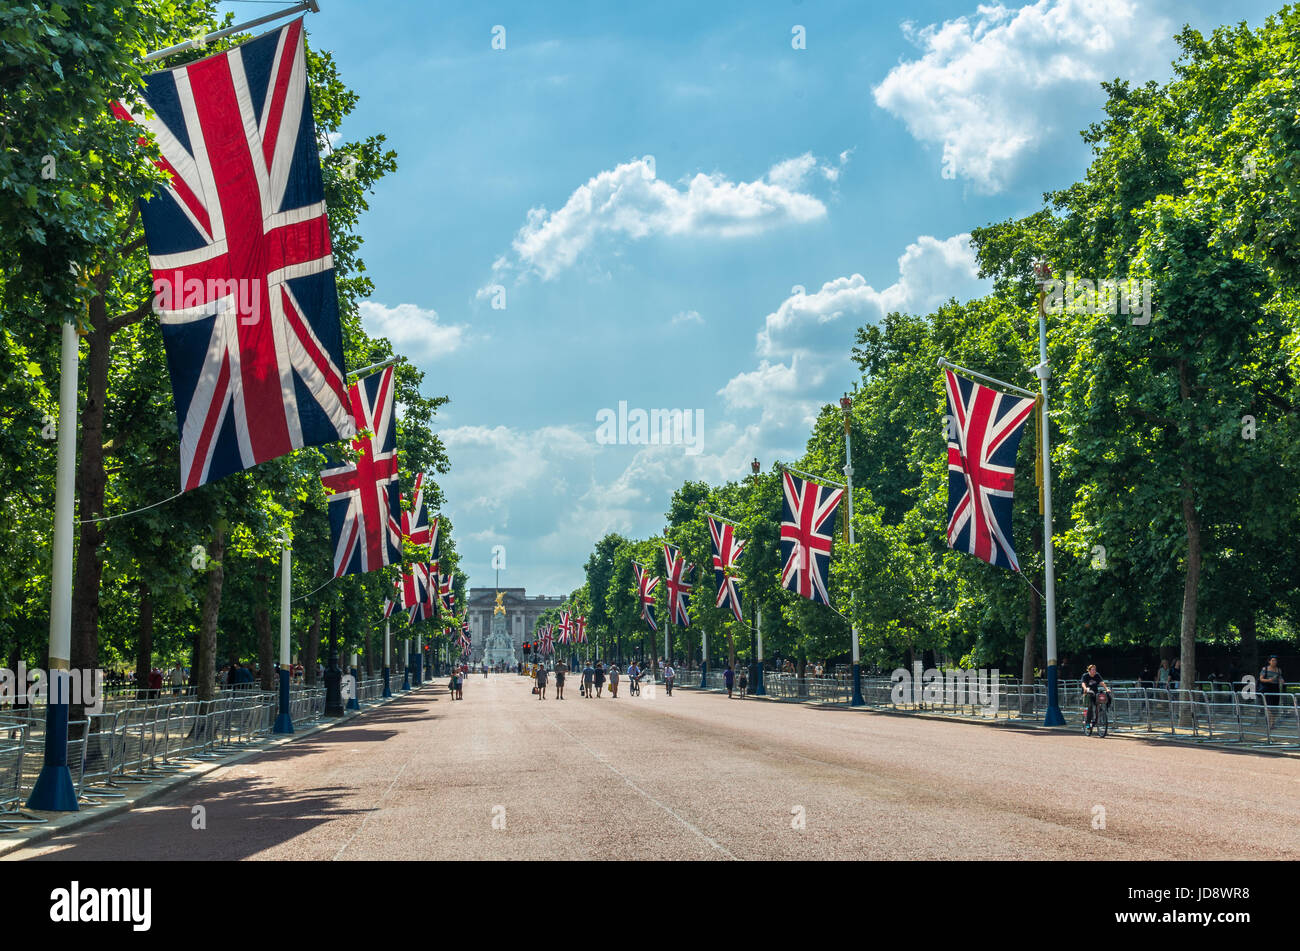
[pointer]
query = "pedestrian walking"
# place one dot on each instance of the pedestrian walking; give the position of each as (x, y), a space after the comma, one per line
(729, 678)
(613, 681)
(744, 682)
(588, 674)
(669, 674)
(598, 678)
(177, 679)
(1270, 685)
(451, 684)
(541, 681)
(560, 670)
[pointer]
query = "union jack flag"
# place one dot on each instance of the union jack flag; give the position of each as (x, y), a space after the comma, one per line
(240, 252)
(547, 641)
(415, 520)
(982, 444)
(580, 629)
(448, 595)
(727, 550)
(364, 503)
(645, 589)
(566, 628)
(807, 525)
(679, 589)
(411, 592)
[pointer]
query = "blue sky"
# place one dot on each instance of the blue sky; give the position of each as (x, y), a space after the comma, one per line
(853, 168)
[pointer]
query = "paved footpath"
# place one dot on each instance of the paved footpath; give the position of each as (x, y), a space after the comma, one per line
(502, 775)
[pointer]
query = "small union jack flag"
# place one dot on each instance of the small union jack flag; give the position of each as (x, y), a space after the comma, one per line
(239, 246)
(807, 526)
(416, 527)
(727, 550)
(679, 589)
(645, 588)
(566, 628)
(448, 595)
(982, 443)
(364, 503)
(580, 629)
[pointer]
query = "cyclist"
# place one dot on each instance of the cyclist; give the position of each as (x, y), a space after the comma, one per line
(1093, 686)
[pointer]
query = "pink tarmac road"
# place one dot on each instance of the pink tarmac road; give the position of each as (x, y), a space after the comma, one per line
(502, 775)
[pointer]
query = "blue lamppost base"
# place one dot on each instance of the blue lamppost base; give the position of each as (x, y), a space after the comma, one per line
(417, 662)
(759, 690)
(283, 722)
(856, 700)
(54, 791)
(406, 677)
(704, 675)
(388, 687)
(1053, 717)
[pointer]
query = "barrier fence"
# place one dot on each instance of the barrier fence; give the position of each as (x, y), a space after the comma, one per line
(1218, 715)
(138, 741)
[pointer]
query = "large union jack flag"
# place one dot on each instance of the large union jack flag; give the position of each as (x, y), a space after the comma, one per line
(679, 589)
(580, 629)
(983, 438)
(365, 502)
(645, 591)
(239, 246)
(807, 525)
(566, 628)
(727, 549)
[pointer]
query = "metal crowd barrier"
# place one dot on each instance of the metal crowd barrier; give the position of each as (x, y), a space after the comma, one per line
(1218, 715)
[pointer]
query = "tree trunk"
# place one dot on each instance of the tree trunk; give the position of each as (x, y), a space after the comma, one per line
(144, 642)
(91, 480)
(311, 650)
(1192, 522)
(262, 620)
(205, 669)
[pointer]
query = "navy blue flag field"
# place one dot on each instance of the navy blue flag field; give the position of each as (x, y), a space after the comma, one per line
(983, 438)
(239, 246)
(807, 526)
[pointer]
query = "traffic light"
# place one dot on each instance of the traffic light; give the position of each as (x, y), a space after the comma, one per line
(528, 647)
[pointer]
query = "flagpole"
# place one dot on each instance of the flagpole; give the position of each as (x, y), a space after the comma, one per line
(306, 6)
(406, 668)
(54, 791)
(759, 689)
(846, 405)
(284, 722)
(388, 671)
(1053, 715)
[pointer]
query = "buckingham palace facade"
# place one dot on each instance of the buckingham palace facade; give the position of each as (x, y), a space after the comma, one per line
(522, 612)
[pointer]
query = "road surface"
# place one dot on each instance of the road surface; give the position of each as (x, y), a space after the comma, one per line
(503, 775)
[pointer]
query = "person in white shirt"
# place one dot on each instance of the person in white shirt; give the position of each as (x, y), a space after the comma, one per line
(669, 674)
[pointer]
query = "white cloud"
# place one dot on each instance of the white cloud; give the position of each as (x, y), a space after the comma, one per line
(807, 339)
(630, 203)
(416, 333)
(992, 88)
(687, 317)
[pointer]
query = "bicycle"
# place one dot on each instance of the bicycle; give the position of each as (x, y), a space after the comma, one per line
(1098, 713)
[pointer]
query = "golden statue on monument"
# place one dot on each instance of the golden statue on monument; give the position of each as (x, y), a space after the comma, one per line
(500, 608)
